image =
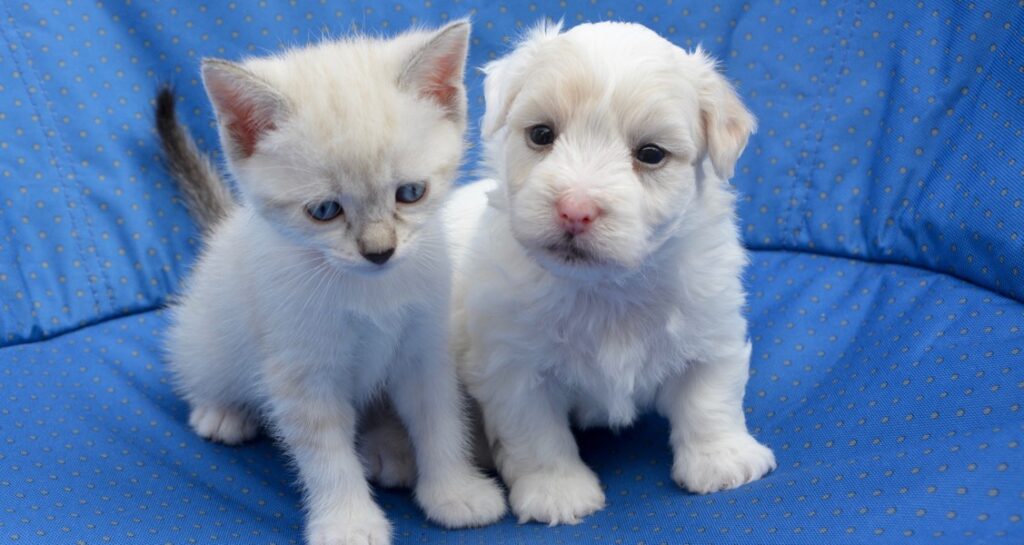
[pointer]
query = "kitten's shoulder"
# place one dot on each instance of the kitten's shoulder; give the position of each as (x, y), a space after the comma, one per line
(234, 232)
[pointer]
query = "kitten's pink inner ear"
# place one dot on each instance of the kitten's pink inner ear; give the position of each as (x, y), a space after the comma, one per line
(436, 70)
(244, 104)
(441, 84)
(246, 124)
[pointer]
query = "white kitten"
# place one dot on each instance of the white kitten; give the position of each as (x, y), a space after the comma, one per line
(329, 283)
(603, 277)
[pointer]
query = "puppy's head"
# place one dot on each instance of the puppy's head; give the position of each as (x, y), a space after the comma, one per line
(600, 134)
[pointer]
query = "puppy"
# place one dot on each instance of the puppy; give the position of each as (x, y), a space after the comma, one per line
(599, 274)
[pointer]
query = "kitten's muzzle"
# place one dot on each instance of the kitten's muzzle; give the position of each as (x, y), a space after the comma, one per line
(377, 242)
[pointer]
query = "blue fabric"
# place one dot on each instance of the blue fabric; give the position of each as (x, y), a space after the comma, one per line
(882, 196)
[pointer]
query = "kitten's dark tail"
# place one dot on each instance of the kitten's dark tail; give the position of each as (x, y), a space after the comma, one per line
(206, 194)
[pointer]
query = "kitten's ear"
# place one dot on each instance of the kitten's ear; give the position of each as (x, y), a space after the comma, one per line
(435, 71)
(247, 107)
(504, 78)
(727, 122)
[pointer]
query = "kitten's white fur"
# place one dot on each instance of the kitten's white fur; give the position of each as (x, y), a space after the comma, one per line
(654, 318)
(284, 321)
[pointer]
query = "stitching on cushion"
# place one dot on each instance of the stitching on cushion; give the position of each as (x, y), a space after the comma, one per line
(92, 265)
(796, 204)
(830, 105)
(158, 306)
(16, 323)
(161, 304)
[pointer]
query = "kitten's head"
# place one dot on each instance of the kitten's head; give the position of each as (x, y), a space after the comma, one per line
(347, 147)
(600, 135)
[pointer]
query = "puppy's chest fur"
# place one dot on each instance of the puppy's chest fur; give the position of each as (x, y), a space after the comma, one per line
(611, 350)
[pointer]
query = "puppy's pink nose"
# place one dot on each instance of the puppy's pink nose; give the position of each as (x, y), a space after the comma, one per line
(576, 213)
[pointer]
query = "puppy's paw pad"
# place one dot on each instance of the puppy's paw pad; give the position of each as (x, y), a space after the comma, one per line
(722, 464)
(462, 501)
(369, 529)
(556, 497)
(224, 425)
(387, 460)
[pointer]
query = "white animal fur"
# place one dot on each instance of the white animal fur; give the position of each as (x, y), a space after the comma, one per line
(283, 320)
(655, 318)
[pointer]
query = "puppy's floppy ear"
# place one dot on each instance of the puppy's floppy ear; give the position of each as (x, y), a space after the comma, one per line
(726, 121)
(435, 71)
(504, 78)
(247, 107)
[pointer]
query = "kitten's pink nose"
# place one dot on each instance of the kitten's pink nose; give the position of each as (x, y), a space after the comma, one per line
(576, 213)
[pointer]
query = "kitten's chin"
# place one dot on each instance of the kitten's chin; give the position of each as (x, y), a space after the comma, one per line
(364, 268)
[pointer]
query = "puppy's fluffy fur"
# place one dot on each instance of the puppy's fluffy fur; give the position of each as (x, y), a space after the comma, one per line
(283, 319)
(643, 310)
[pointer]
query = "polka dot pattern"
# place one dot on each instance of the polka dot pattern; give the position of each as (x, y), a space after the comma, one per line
(882, 197)
(891, 395)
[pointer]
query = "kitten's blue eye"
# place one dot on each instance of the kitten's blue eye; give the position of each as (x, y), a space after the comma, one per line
(324, 211)
(410, 193)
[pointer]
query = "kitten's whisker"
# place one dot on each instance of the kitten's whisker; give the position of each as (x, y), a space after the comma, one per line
(325, 272)
(300, 284)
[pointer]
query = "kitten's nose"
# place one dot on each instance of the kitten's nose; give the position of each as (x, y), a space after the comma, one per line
(576, 213)
(379, 258)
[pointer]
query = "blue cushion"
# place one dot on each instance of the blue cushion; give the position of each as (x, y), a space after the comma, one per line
(886, 377)
(891, 396)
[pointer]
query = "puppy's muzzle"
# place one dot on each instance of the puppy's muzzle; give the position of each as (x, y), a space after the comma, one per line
(576, 213)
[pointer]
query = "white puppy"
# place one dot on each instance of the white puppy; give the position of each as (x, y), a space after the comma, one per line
(601, 275)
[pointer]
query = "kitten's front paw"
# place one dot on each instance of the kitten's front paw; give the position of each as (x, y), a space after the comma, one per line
(364, 528)
(461, 501)
(223, 424)
(722, 464)
(556, 497)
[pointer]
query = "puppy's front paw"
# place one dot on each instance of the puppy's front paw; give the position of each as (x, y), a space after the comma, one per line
(556, 497)
(223, 424)
(721, 464)
(368, 527)
(461, 501)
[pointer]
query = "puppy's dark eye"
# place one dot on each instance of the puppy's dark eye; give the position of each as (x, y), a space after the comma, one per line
(410, 193)
(324, 211)
(541, 135)
(650, 154)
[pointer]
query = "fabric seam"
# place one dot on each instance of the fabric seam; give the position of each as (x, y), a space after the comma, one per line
(93, 264)
(812, 145)
(752, 249)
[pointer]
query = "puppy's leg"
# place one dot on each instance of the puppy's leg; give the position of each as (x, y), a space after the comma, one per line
(527, 425)
(385, 449)
(425, 393)
(713, 450)
(314, 418)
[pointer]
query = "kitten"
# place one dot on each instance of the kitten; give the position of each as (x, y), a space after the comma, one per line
(328, 284)
(601, 275)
